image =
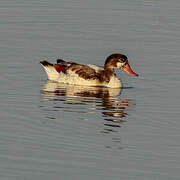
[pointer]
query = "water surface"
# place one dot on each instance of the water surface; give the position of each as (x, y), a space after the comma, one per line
(57, 131)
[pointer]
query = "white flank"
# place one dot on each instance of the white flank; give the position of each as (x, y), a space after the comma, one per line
(72, 78)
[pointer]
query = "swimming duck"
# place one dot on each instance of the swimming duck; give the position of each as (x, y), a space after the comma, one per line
(90, 75)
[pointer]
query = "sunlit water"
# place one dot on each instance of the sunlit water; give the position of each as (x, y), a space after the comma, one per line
(59, 131)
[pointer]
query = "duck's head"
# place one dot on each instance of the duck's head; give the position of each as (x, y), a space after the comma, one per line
(119, 61)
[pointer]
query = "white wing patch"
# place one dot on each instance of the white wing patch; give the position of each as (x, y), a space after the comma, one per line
(96, 68)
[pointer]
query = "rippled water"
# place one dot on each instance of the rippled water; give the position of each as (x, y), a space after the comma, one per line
(58, 131)
(87, 102)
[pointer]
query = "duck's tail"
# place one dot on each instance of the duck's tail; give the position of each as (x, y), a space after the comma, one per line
(45, 63)
(50, 70)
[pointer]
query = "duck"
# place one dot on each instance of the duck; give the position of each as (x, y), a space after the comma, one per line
(89, 75)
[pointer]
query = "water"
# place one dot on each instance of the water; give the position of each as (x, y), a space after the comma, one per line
(56, 131)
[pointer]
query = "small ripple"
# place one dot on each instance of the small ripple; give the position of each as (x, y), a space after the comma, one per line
(88, 101)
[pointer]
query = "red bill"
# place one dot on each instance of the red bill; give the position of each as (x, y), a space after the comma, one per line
(128, 70)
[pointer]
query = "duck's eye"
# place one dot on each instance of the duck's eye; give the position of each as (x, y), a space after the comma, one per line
(122, 60)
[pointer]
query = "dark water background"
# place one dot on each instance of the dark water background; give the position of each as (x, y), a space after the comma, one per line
(56, 131)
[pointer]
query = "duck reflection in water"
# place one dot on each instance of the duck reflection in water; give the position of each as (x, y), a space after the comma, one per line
(105, 100)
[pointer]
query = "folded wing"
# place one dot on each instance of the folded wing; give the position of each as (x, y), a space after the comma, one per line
(83, 71)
